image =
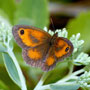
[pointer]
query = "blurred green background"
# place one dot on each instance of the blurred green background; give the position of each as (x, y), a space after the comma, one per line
(72, 14)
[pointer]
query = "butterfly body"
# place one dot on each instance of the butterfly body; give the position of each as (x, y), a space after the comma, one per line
(40, 49)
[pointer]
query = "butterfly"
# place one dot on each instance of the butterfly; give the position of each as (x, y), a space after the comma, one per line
(39, 48)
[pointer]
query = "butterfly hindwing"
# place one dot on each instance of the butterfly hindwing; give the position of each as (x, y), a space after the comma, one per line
(50, 60)
(35, 56)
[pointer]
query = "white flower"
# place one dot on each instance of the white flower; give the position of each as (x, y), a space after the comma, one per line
(62, 33)
(82, 59)
(5, 29)
(84, 79)
(45, 29)
(76, 42)
(5, 35)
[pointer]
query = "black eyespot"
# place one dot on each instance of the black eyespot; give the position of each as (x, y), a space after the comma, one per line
(22, 32)
(67, 49)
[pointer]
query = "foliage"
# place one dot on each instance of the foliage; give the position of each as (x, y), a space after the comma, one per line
(81, 25)
(9, 58)
(32, 14)
(25, 12)
(70, 80)
(26, 78)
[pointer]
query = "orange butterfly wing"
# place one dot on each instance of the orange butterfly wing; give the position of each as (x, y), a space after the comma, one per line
(27, 36)
(35, 56)
(37, 50)
(50, 60)
(63, 48)
(34, 42)
(57, 52)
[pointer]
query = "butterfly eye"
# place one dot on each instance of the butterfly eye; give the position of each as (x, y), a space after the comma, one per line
(21, 32)
(67, 49)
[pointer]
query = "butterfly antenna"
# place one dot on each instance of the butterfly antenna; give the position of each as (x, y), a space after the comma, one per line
(52, 24)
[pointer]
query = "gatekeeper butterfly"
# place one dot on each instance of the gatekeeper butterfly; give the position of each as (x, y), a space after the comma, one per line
(39, 48)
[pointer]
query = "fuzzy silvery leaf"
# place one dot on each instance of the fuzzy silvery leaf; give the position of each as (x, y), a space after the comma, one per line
(9, 58)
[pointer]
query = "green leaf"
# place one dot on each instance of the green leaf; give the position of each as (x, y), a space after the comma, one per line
(3, 14)
(3, 86)
(81, 25)
(4, 77)
(11, 69)
(64, 87)
(32, 12)
(60, 71)
(2, 48)
(8, 6)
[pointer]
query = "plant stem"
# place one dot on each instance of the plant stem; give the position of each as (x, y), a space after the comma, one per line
(48, 86)
(78, 72)
(72, 76)
(69, 74)
(71, 67)
(63, 81)
(23, 85)
(40, 83)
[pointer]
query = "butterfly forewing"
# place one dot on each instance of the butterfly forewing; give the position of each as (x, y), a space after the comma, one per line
(63, 48)
(27, 36)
